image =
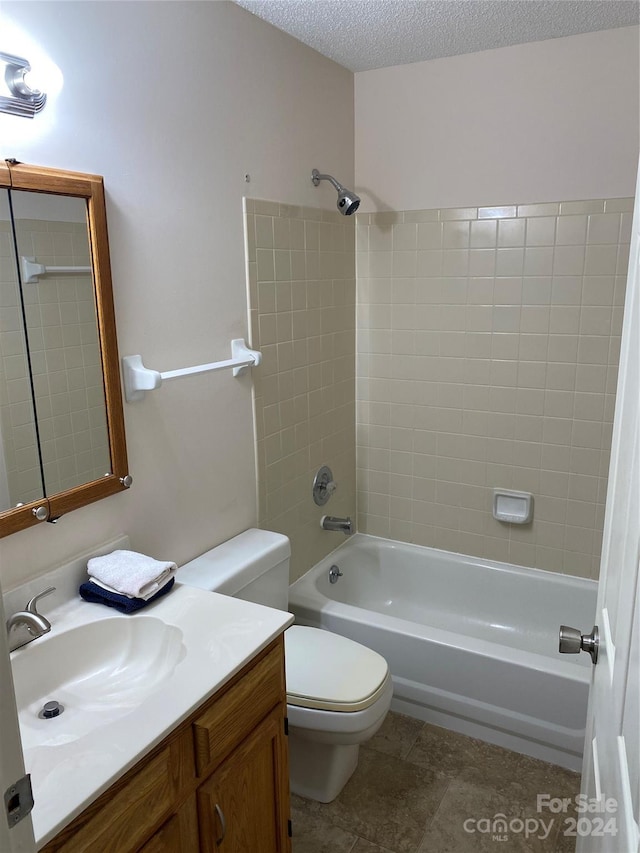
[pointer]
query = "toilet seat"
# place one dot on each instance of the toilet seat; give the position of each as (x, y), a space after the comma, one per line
(328, 672)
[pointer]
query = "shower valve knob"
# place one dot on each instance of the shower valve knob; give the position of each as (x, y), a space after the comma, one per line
(323, 486)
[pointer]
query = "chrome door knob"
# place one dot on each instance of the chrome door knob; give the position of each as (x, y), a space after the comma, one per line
(572, 642)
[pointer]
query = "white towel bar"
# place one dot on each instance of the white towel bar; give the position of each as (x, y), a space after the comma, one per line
(31, 270)
(138, 378)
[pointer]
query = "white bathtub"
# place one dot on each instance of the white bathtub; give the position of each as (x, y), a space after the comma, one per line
(472, 644)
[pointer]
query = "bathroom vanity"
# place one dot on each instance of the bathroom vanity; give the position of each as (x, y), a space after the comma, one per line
(172, 736)
(220, 778)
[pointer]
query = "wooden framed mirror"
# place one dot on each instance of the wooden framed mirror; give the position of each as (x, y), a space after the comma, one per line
(62, 440)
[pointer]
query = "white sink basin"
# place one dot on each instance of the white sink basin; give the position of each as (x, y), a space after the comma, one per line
(125, 681)
(98, 672)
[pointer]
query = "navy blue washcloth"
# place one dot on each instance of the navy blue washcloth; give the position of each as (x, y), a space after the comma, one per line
(97, 595)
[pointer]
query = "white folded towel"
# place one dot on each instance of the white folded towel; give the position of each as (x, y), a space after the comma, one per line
(129, 573)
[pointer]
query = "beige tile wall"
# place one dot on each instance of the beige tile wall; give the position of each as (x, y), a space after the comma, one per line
(487, 356)
(301, 275)
(65, 361)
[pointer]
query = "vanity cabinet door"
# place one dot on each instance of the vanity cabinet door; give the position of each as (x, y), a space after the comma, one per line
(243, 806)
(179, 834)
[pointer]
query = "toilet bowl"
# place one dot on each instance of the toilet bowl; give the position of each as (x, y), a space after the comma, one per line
(338, 691)
(338, 694)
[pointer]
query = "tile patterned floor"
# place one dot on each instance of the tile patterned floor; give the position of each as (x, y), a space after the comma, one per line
(417, 784)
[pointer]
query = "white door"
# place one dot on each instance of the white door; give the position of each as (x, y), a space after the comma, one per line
(19, 838)
(611, 768)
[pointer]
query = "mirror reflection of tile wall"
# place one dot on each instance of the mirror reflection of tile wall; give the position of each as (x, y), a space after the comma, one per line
(301, 273)
(20, 474)
(65, 359)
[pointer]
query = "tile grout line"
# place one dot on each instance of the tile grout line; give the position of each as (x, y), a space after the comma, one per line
(433, 816)
(413, 743)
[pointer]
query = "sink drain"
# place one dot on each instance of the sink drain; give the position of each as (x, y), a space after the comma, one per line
(50, 710)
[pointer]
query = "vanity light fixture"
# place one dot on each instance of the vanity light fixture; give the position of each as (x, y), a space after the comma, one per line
(22, 100)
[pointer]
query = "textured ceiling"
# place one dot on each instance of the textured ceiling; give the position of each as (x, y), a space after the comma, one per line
(366, 34)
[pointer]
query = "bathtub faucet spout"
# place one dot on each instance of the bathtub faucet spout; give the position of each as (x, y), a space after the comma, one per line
(330, 522)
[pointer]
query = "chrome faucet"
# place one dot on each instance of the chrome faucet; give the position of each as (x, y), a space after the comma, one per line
(27, 625)
(343, 525)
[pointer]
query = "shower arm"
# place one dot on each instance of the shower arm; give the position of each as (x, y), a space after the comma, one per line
(316, 177)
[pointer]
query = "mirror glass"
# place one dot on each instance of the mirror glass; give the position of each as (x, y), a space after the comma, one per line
(62, 337)
(62, 441)
(21, 478)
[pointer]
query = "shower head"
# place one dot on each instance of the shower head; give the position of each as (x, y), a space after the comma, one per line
(348, 201)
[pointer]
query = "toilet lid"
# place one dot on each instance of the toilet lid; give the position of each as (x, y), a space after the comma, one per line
(330, 672)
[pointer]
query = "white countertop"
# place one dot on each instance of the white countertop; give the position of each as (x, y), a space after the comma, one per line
(220, 635)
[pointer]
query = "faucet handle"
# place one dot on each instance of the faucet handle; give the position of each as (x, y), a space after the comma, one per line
(31, 604)
(323, 486)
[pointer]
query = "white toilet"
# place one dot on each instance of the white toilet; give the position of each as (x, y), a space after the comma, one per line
(338, 691)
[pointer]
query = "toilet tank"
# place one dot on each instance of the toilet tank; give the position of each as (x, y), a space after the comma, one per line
(253, 566)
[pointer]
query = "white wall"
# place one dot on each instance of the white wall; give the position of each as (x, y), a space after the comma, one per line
(173, 103)
(536, 122)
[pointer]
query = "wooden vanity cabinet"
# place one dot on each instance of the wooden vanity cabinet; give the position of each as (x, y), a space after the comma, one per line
(241, 808)
(219, 783)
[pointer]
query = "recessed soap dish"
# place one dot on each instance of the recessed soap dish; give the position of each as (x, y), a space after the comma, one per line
(512, 507)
